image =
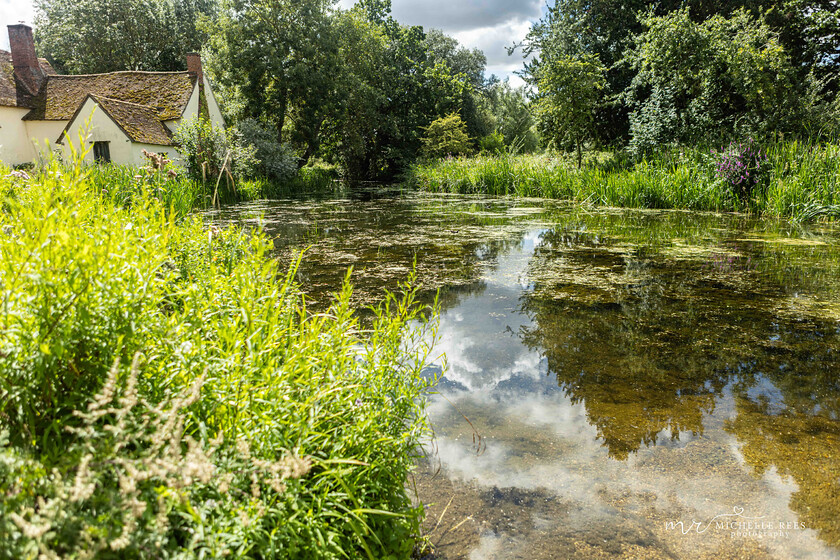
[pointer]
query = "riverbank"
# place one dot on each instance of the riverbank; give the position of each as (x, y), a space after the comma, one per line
(797, 181)
(182, 194)
(166, 393)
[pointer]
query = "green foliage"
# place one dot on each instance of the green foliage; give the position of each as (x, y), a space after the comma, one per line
(512, 117)
(704, 81)
(805, 30)
(801, 181)
(447, 136)
(492, 143)
(575, 29)
(276, 61)
(244, 426)
(352, 87)
(211, 153)
(275, 161)
(568, 90)
(92, 36)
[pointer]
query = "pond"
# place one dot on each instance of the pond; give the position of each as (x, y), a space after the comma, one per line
(620, 384)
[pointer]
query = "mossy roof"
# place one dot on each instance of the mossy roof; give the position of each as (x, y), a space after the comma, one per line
(139, 122)
(166, 93)
(8, 91)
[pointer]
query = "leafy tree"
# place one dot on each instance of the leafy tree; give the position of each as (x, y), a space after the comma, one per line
(469, 62)
(568, 94)
(387, 88)
(91, 36)
(467, 65)
(276, 61)
(351, 132)
(447, 136)
(606, 29)
(705, 80)
(512, 116)
(274, 160)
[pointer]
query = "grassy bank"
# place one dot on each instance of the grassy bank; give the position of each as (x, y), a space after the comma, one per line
(164, 392)
(122, 184)
(798, 181)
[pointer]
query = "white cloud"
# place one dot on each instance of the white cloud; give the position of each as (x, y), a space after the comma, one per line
(11, 12)
(494, 41)
(464, 14)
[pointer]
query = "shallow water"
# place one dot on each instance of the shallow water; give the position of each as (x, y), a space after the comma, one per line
(620, 384)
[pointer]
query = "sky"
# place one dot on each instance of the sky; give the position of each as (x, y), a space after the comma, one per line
(490, 25)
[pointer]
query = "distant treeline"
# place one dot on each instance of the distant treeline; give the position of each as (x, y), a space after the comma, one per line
(644, 74)
(355, 87)
(358, 89)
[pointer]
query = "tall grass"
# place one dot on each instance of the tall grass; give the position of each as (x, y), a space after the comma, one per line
(164, 392)
(181, 194)
(800, 183)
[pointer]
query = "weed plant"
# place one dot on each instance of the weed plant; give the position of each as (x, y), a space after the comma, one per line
(799, 180)
(165, 393)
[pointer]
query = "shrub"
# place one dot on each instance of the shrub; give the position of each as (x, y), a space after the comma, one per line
(701, 81)
(447, 136)
(276, 161)
(211, 152)
(740, 167)
(492, 143)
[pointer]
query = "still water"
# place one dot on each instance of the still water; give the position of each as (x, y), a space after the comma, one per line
(620, 384)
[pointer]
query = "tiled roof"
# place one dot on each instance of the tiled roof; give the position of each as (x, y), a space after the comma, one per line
(8, 91)
(139, 122)
(166, 93)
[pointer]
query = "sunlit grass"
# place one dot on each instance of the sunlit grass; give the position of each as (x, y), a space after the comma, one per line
(801, 182)
(165, 392)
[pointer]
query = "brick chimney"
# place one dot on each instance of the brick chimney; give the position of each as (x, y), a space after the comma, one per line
(194, 66)
(27, 68)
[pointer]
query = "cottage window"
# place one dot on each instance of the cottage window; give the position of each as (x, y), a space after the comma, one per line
(101, 152)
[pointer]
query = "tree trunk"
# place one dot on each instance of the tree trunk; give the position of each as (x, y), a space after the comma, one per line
(579, 155)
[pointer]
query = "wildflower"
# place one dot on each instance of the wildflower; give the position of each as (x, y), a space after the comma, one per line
(224, 482)
(83, 488)
(19, 174)
(30, 529)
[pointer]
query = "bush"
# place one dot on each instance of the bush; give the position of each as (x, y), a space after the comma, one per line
(740, 168)
(276, 161)
(492, 143)
(699, 82)
(211, 152)
(447, 136)
(233, 386)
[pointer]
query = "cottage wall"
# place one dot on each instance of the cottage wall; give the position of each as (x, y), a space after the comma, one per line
(44, 134)
(213, 106)
(102, 129)
(15, 147)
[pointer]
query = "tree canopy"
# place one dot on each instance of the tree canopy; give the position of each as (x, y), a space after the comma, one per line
(93, 36)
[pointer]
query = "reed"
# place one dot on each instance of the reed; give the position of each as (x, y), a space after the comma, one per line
(799, 181)
(166, 393)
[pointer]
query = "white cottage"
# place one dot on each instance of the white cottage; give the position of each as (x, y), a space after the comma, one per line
(128, 111)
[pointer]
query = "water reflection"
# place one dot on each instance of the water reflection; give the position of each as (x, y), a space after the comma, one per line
(658, 362)
(627, 370)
